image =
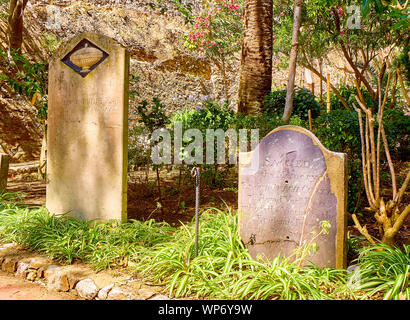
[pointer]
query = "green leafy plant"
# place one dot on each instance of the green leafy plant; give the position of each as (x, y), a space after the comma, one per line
(304, 100)
(224, 269)
(385, 269)
(66, 239)
(29, 79)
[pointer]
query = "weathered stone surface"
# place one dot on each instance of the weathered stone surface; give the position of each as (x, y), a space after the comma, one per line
(38, 263)
(21, 268)
(87, 131)
(9, 265)
(32, 275)
(50, 271)
(73, 281)
(56, 279)
(144, 294)
(87, 289)
(103, 293)
(287, 186)
(118, 293)
(4, 169)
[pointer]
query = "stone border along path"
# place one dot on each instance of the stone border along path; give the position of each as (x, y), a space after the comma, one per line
(77, 278)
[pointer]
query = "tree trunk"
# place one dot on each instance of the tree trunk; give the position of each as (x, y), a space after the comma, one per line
(297, 15)
(256, 61)
(15, 24)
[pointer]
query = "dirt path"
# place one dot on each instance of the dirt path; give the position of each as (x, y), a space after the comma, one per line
(13, 288)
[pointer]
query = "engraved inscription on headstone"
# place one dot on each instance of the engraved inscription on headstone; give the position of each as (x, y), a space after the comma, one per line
(298, 184)
(88, 128)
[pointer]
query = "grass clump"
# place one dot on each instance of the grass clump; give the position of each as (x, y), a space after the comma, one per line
(66, 239)
(386, 270)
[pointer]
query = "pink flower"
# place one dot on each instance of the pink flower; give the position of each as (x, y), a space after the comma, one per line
(213, 43)
(274, 37)
(361, 27)
(282, 14)
(341, 32)
(331, 12)
(327, 22)
(340, 11)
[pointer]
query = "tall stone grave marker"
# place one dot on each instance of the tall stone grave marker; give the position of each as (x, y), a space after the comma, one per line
(87, 128)
(4, 170)
(288, 185)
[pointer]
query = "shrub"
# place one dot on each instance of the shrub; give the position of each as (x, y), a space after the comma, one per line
(210, 116)
(339, 131)
(274, 103)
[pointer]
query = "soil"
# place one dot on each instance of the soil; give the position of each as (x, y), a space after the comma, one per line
(13, 288)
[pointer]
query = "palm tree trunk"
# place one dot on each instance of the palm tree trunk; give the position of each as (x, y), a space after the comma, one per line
(256, 61)
(297, 15)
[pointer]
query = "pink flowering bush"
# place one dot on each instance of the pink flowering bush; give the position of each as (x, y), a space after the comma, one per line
(216, 33)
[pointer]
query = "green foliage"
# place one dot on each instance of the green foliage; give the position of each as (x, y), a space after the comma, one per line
(339, 131)
(183, 7)
(224, 269)
(139, 150)
(66, 239)
(29, 79)
(385, 269)
(213, 178)
(51, 41)
(348, 93)
(397, 127)
(404, 59)
(210, 115)
(217, 30)
(353, 245)
(304, 100)
(152, 116)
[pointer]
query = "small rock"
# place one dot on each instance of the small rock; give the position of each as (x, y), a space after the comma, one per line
(31, 275)
(40, 273)
(118, 293)
(103, 293)
(144, 294)
(87, 289)
(21, 269)
(38, 263)
(9, 265)
(56, 280)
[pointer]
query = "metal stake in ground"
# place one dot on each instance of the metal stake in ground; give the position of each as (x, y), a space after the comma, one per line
(196, 174)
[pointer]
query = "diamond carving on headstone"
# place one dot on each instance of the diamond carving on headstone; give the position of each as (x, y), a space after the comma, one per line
(84, 57)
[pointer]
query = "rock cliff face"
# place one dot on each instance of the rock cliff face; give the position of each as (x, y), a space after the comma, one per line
(164, 66)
